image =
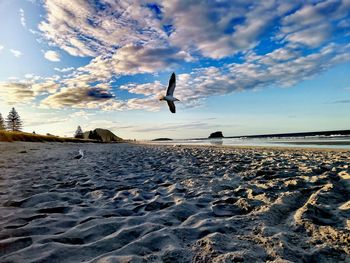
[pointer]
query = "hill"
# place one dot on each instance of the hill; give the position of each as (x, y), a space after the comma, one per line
(102, 135)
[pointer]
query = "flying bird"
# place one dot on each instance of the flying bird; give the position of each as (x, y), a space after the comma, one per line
(169, 98)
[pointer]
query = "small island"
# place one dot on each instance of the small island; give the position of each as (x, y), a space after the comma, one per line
(162, 139)
(217, 134)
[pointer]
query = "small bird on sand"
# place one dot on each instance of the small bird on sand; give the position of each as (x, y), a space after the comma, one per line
(169, 98)
(80, 155)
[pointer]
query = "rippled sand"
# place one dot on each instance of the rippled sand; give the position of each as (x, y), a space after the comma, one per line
(140, 203)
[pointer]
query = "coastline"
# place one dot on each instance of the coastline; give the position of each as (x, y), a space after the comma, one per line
(139, 202)
(340, 142)
(274, 148)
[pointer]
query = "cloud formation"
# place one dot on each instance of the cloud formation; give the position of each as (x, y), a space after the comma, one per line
(135, 59)
(64, 69)
(341, 101)
(84, 29)
(247, 45)
(16, 53)
(82, 97)
(52, 56)
(219, 29)
(15, 93)
(282, 67)
(22, 18)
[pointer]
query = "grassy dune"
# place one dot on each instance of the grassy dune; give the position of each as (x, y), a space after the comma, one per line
(10, 136)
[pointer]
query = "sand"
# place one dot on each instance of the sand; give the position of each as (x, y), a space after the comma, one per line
(142, 203)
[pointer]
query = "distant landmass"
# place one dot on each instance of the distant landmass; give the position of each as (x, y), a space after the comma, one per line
(297, 134)
(217, 134)
(102, 135)
(162, 139)
(284, 135)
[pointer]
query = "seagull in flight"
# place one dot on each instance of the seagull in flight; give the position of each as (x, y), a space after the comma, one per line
(169, 98)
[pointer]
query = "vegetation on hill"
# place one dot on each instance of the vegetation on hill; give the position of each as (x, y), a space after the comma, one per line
(10, 136)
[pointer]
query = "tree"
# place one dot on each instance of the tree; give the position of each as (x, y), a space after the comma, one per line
(79, 133)
(93, 135)
(13, 121)
(2, 123)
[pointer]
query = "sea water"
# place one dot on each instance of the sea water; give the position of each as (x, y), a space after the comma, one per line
(333, 142)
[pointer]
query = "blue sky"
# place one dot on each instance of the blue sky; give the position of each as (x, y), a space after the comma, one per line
(243, 67)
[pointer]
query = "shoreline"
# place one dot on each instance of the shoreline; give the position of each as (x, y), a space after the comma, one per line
(279, 148)
(143, 143)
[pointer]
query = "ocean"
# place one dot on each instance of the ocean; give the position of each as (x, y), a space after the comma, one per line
(333, 142)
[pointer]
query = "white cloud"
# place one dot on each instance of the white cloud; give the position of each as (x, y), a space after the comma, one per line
(150, 104)
(16, 53)
(1, 48)
(52, 56)
(47, 87)
(64, 69)
(314, 24)
(28, 76)
(312, 37)
(32, 78)
(84, 30)
(222, 29)
(81, 114)
(147, 89)
(22, 17)
(37, 120)
(135, 59)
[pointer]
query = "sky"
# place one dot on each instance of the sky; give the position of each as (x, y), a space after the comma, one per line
(243, 67)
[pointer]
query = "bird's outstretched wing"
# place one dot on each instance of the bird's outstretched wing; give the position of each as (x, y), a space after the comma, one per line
(171, 105)
(172, 84)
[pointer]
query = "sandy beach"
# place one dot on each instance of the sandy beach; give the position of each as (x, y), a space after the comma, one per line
(153, 203)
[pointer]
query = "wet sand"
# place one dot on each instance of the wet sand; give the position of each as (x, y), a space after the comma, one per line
(152, 203)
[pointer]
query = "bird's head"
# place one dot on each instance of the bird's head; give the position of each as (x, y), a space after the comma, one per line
(161, 97)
